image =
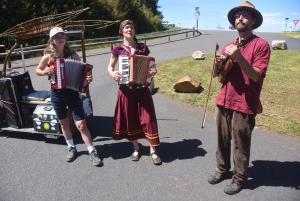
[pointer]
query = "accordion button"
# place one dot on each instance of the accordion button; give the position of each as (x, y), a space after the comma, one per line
(130, 87)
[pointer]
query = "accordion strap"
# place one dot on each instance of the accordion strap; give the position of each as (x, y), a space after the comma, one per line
(125, 48)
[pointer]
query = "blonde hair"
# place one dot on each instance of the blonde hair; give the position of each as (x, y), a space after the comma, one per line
(50, 49)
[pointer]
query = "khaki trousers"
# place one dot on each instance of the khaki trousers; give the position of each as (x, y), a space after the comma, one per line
(234, 130)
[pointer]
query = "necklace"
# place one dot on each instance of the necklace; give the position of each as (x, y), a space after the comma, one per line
(132, 45)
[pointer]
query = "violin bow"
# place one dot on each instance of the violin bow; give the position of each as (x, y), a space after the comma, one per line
(208, 94)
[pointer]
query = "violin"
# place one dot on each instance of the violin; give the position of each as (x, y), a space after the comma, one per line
(227, 63)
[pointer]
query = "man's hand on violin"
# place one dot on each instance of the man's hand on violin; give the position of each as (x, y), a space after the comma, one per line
(233, 52)
(219, 59)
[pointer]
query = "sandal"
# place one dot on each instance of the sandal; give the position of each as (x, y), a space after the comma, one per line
(135, 156)
(156, 161)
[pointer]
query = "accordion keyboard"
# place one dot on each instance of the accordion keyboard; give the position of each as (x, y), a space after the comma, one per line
(124, 69)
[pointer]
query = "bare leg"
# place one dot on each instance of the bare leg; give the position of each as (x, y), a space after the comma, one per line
(85, 133)
(153, 149)
(65, 128)
(81, 125)
(135, 145)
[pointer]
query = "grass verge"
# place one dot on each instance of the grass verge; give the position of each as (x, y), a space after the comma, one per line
(295, 34)
(279, 96)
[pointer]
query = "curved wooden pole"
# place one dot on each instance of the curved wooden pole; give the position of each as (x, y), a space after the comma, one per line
(3, 71)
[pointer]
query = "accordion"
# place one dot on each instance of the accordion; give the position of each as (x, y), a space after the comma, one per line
(135, 69)
(70, 74)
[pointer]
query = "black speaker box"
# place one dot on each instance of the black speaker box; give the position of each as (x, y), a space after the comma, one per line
(9, 102)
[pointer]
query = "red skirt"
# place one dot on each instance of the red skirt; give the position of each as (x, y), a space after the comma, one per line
(135, 116)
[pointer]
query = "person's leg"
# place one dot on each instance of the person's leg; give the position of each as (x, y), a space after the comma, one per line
(223, 122)
(135, 156)
(59, 105)
(241, 143)
(241, 138)
(155, 158)
(65, 128)
(135, 145)
(72, 151)
(87, 139)
(85, 133)
(222, 118)
(148, 121)
(75, 106)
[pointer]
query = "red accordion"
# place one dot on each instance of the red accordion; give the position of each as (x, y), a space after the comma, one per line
(135, 69)
(70, 74)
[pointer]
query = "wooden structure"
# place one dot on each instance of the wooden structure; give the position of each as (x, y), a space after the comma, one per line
(36, 28)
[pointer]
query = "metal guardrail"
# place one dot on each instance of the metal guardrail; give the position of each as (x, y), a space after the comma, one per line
(101, 41)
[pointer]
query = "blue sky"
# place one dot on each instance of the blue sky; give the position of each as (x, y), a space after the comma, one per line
(213, 13)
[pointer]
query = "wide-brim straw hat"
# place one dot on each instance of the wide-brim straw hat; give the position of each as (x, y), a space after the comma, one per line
(246, 5)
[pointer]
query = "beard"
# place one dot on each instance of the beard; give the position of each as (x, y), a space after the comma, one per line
(241, 27)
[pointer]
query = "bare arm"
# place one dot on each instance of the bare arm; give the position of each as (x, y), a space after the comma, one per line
(42, 68)
(114, 74)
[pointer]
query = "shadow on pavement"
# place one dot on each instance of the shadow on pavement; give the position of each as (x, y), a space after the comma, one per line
(274, 173)
(168, 152)
(181, 150)
(101, 126)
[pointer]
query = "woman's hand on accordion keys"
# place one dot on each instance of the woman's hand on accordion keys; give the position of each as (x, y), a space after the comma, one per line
(48, 70)
(89, 78)
(116, 75)
(152, 71)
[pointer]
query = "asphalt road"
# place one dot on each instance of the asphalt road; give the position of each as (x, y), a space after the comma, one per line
(33, 168)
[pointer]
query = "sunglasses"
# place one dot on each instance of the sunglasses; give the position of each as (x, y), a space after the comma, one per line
(244, 15)
(57, 37)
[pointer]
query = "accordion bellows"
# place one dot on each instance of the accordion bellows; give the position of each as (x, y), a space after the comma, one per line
(70, 74)
(135, 69)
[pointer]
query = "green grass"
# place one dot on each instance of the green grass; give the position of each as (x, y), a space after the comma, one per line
(294, 34)
(280, 95)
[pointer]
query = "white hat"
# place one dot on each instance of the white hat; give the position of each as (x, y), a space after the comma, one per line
(55, 30)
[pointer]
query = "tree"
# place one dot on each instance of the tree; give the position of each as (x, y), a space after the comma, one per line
(152, 4)
(143, 12)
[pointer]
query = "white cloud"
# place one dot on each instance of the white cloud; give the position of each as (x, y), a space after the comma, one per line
(295, 14)
(271, 14)
(272, 21)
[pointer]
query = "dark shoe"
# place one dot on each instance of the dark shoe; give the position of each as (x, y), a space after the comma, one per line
(217, 177)
(71, 154)
(156, 161)
(233, 188)
(95, 158)
(135, 156)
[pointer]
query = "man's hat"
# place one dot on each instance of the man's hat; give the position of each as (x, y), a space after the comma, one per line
(246, 5)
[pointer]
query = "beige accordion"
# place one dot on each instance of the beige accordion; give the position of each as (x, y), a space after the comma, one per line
(135, 69)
